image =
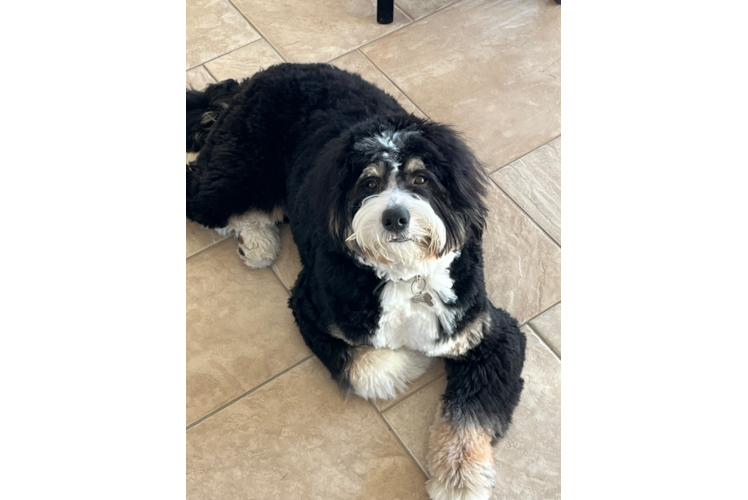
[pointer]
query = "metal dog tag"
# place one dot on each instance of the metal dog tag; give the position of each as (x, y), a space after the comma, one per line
(423, 297)
(417, 288)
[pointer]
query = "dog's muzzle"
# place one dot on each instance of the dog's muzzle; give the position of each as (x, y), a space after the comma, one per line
(395, 220)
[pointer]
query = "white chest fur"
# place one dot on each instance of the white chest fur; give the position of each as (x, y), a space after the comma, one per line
(415, 325)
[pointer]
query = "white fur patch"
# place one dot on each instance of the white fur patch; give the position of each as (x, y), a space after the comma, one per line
(259, 237)
(383, 373)
(415, 325)
(259, 247)
(250, 220)
(426, 230)
(477, 484)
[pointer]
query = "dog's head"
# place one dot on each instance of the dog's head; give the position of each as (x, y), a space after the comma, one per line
(401, 193)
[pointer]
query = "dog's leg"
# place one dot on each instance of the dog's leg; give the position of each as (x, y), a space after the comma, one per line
(383, 373)
(483, 388)
(258, 235)
(363, 370)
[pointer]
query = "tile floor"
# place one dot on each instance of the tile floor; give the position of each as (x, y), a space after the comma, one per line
(264, 419)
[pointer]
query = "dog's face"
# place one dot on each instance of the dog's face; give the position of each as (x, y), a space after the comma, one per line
(400, 196)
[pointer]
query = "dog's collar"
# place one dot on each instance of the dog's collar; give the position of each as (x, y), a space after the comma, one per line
(417, 288)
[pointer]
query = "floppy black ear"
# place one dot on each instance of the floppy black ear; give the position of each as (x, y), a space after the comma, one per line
(463, 174)
(329, 202)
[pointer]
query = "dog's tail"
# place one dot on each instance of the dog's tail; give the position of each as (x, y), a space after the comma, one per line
(203, 109)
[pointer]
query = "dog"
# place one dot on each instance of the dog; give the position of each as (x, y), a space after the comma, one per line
(387, 211)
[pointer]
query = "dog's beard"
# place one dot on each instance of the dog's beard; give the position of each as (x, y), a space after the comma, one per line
(424, 238)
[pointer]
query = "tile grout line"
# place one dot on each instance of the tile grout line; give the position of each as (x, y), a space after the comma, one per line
(545, 343)
(393, 83)
(408, 16)
(262, 384)
(455, 2)
(395, 405)
(540, 314)
(211, 74)
(525, 212)
(412, 18)
(526, 154)
(208, 247)
(375, 40)
(400, 441)
(225, 53)
(262, 35)
(541, 336)
(274, 270)
(395, 30)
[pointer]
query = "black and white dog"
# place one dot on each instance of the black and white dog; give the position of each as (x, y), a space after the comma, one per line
(386, 209)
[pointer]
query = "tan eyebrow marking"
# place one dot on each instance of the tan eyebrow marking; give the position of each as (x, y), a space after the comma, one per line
(372, 169)
(414, 164)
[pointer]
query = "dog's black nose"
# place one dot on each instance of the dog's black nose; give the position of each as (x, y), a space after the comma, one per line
(395, 219)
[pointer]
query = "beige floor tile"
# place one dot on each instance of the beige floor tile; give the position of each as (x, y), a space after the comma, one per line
(240, 331)
(244, 62)
(420, 8)
(214, 27)
(199, 237)
(434, 372)
(534, 182)
(288, 263)
(528, 459)
(355, 62)
(548, 326)
(522, 264)
(198, 78)
(317, 30)
(491, 68)
(296, 438)
(412, 418)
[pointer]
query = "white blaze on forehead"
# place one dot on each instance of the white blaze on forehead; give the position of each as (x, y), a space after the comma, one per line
(386, 139)
(387, 143)
(392, 179)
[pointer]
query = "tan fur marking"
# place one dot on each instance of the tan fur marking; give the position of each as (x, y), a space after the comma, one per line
(454, 447)
(470, 336)
(338, 334)
(460, 458)
(276, 215)
(371, 170)
(414, 164)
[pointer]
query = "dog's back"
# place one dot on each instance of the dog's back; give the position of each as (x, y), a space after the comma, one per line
(249, 133)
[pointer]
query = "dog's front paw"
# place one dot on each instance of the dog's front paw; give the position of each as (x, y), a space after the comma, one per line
(472, 482)
(460, 461)
(382, 373)
(259, 246)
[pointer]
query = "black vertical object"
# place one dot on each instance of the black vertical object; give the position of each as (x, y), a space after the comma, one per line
(385, 11)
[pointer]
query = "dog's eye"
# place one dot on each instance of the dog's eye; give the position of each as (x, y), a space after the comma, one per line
(372, 184)
(419, 179)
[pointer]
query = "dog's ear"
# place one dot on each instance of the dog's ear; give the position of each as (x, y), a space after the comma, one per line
(463, 174)
(328, 199)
